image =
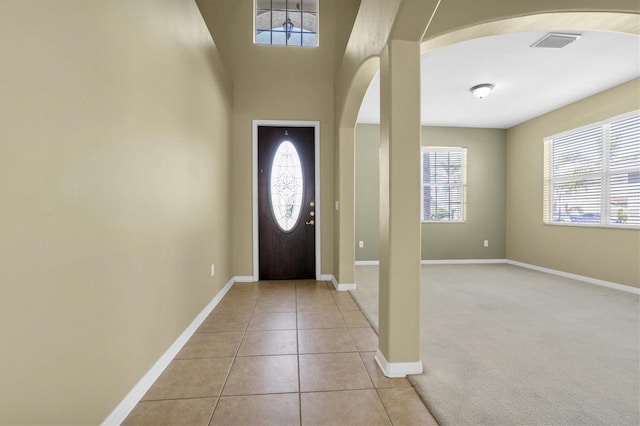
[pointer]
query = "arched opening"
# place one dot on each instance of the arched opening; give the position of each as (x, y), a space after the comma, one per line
(573, 22)
(570, 22)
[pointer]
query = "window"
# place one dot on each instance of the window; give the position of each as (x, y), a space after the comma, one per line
(592, 174)
(286, 22)
(287, 186)
(444, 182)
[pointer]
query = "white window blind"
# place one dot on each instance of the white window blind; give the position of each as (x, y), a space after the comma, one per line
(444, 181)
(592, 174)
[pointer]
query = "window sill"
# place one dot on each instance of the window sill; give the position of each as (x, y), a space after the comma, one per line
(450, 222)
(592, 225)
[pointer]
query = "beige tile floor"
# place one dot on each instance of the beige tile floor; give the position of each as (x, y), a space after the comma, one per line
(281, 353)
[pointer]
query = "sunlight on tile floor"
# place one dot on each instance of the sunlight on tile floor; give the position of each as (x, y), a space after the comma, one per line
(280, 353)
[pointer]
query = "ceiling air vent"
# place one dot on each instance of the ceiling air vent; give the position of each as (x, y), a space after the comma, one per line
(556, 40)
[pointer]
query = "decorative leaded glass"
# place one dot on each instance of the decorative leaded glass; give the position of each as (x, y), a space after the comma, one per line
(286, 22)
(286, 186)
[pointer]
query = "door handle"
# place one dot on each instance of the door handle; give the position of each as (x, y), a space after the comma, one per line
(311, 222)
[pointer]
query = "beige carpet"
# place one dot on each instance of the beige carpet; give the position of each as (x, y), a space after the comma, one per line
(503, 345)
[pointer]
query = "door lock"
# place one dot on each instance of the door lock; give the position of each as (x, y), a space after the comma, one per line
(311, 222)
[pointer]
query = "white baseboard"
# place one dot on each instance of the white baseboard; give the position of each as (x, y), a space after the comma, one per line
(122, 410)
(589, 280)
(460, 261)
(244, 279)
(342, 286)
(324, 277)
(437, 261)
(569, 275)
(397, 369)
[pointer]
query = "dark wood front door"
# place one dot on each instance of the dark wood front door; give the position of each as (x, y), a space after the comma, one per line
(286, 203)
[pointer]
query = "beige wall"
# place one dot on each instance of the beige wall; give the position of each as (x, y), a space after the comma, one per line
(603, 253)
(119, 155)
(367, 39)
(277, 83)
(114, 197)
(486, 156)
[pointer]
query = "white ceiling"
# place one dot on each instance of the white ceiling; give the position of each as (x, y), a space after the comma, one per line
(528, 81)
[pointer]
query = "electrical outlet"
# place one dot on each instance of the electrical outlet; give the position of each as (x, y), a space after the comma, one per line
(486, 243)
(361, 244)
(213, 269)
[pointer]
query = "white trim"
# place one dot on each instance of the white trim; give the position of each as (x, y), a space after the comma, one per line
(316, 142)
(325, 277)
(367, 262)
(122, 410)
(335, 282)
(437, 261)
(254, 191)
(604, 174)
(244, 279)
(342, 287)
(397, 369)
(591, 225)
(316, 125)
(589, 280)
(595, 281)
(460, 261)
(462, 185)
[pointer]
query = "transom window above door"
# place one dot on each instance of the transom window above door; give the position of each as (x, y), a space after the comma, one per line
(286, 22)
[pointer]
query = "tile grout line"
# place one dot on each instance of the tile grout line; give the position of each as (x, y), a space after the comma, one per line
(298, 354)
(298, 357)
(292, 393)
(383, 406)
(375, 388)
(253, 313)
(215, 406)
(226, 379)
(378, 389)
(177, 399)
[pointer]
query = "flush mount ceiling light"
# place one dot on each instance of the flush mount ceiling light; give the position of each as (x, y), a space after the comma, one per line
(481, 90)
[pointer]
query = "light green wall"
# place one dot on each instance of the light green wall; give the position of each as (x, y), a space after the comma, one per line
(486, 192)
(603, 253)
(114, 197)
(367, 192)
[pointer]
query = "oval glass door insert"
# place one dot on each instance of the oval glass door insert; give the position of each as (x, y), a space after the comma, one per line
(286, 186)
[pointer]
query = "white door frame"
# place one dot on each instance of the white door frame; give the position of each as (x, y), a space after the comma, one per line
(254, 172)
